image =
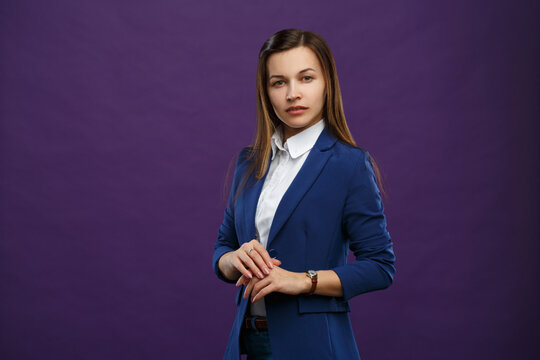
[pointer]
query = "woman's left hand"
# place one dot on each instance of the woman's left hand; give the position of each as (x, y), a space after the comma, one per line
(244, 280)
(279, 280)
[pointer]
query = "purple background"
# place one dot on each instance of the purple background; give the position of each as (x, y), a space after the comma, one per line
(119, 121)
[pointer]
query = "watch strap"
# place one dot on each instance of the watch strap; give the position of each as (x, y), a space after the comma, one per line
(314, 279)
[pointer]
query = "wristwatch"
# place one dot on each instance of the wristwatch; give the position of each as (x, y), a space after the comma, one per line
(312, 274)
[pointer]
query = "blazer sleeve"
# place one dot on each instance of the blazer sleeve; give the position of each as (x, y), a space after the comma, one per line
(364, 225)
(227, 239)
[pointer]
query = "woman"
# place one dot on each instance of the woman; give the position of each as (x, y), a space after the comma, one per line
(301, 196)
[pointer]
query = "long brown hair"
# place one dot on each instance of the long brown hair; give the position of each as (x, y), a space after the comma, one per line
(267, 120)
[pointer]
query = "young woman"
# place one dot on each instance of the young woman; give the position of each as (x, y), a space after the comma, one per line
(302, 195)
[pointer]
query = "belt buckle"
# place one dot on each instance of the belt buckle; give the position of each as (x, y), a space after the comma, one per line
(253, 326)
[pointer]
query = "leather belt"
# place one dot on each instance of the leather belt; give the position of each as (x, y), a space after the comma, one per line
(258, 323)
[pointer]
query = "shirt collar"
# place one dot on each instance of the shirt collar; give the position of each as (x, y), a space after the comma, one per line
(298, 144)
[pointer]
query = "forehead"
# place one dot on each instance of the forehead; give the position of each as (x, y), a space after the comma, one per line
(290, 62)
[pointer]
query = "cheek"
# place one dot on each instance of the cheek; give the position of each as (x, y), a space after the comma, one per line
(274, 99)
(317, 94)
(322, 92)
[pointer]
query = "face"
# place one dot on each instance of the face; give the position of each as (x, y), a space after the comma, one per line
(296, 88)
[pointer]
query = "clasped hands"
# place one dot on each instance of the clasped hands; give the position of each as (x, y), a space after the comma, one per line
(262, 274)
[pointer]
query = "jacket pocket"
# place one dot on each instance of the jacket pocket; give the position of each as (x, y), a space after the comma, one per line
(321, 304)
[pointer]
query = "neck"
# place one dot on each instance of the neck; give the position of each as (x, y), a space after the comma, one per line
(290, 131)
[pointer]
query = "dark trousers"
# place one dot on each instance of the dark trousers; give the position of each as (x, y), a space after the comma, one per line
(256, 344)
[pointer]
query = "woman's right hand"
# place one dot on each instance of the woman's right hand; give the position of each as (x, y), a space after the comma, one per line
(248, 260)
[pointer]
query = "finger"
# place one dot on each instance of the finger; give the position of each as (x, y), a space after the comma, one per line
(261, 294)
(249, 263)
(241, 280)
(237, 263)
(257, 258)
(276, 262)
(263, 252)
(249, 287)
(261, 284)
(247, 290)
(248, 254)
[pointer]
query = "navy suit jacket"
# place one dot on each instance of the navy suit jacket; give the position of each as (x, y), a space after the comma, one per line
(332, 205)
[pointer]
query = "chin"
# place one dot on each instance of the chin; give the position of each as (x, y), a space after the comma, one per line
(297, 123)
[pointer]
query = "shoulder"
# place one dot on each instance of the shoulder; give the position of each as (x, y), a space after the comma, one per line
(244, 153)
(340, 151)
(245, 156)
(347, 151)
(350, 157)
(357, 167)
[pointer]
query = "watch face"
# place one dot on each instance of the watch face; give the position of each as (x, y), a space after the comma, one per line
(312, 273)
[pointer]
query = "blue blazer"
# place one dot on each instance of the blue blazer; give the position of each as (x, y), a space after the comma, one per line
(332, 205)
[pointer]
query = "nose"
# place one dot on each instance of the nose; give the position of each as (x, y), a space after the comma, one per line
(292, 92)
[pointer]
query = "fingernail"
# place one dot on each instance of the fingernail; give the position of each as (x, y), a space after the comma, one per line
(271, 265)
(253, 299)
(266, 271)
(260, 275)
(249, 275)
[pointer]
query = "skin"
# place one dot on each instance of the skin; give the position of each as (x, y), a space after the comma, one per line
(294, 78)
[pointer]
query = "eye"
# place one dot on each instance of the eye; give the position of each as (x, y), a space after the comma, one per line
(277, 83)
(307, 77)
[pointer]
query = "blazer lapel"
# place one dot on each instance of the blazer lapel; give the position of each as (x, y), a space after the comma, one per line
(310, 170)
(307, 175)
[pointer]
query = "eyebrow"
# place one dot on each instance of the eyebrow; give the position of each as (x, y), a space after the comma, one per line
(301, 71)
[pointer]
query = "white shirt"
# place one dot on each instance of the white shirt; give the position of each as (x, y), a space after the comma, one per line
(287, 159)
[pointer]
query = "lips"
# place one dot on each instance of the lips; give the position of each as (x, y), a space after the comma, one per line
(293, 108)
